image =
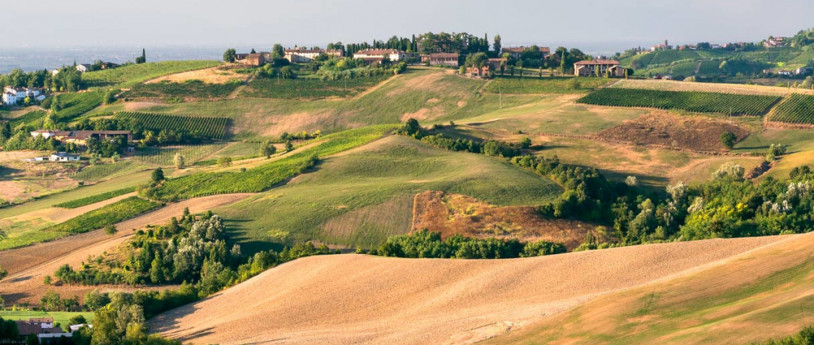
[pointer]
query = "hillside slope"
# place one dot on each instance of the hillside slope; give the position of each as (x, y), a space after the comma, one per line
(346, 299)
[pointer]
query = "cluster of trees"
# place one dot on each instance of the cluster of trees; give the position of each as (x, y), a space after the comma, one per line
(804, 337)
(490, 147)
(8, 331)
(192, 250)
(726, 206)
(68, 79)
(427, 244)
(121, 319)
(148, 137)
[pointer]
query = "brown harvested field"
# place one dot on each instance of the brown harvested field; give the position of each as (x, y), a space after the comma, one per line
(767, 293)
(694, 133)
(214, 75)
(360, 299)
(453, 214)
(22, 181)
(28, 266)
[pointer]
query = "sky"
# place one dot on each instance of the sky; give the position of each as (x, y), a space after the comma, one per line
(603, 25)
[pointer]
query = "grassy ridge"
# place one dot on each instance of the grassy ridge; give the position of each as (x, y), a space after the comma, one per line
(516, 85)
(210, 127)
(110, 214)
(127, 76)
(310, 87)
(94, 198)
(703, 102)
(266, 176)
(797, 109)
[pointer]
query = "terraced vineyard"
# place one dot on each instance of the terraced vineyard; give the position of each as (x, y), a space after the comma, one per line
(797, 109)
(702, 102)
(210, 127)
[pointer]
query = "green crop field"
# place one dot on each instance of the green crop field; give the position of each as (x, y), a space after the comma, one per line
(516, 85)
(30, 118)
(104, 170)
(364, 196)
(702, 102)
(210, 127)
(127, 76)
(95, 198)
(310, 88)
(266, 176)
(190, 88)
(165, 156)
(61, 317)
(796, 109)
(71, 105)
(110, 214)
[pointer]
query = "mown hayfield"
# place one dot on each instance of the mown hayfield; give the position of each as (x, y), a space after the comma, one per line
(353, 299)
(517, 85)
(749, 298)
(796, 109)
(127, 76)
(738, 89)
(365, 195)
(702, 102)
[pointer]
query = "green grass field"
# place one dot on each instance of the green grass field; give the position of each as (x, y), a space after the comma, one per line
(61, 317)
(517, 85)
(365, 195)
(309, 88)
(188, 89)
(127, 76)
(94, 198)
(72, 105)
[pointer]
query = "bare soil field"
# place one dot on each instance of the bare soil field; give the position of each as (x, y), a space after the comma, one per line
(22, 180)
(694, 133)
(359, 299)
(214, 75)
(453, 214)
(28, 266)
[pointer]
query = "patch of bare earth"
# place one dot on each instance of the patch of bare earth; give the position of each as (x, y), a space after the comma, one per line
(214, 75)
(29, 265)
(360, 299)
(453, 214)
(694, 133)
(135, 106)
(22, 180)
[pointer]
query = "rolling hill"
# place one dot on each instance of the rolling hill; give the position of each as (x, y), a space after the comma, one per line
(354, 299)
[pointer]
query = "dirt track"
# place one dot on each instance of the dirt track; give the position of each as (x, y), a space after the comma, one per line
(350, 299)
(28, 266)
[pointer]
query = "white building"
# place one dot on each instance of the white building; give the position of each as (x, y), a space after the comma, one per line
(63, 157)
(377, 55)
(300, 55)
(82, 68)
(13, 95)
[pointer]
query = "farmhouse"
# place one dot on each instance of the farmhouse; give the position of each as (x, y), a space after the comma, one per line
(772, 42)
(252, 59)
(82, 68)
(803, 71)
(63, 157)
(81, 137)
(13, 95)
(441, 59)
(302, 55)
(517, 52)
(662, 46)
(377, 55)
(588, 68)
(483, 72)
(42, 328)
(496, 63)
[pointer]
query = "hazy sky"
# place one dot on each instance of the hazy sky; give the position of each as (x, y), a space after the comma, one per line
(255, 23)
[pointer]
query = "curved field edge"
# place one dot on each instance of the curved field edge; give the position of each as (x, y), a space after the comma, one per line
(362, 196)
(367, 299)
(266, 176)
(767, 293)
